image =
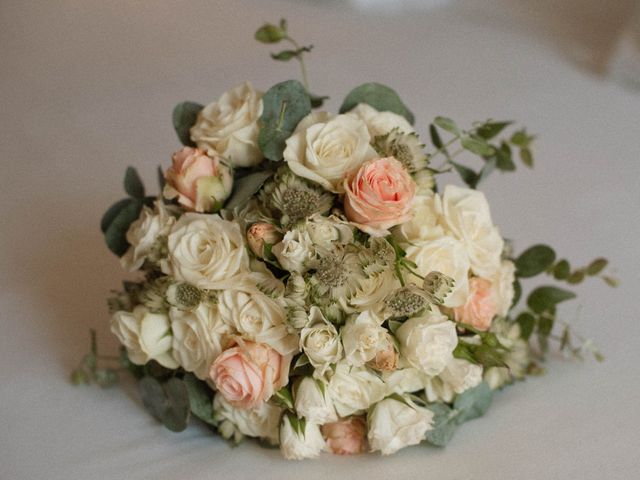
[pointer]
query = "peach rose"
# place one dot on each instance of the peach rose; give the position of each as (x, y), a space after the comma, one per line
(347, 436)
(247, 374)
(262, 233)
(480, 307)
(386, 359)
(379, 195)
(200, 183)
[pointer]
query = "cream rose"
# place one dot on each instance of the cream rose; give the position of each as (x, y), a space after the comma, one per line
(379, 196)
(363, 337)
(319, 340)
(199, 336)
(480, 307)
(457, 377)
(502, 284)
(405, 380)
(354, 389)
(145, 335)
(249, 373)
(324, 150)
(370, 292)
(306, 444)
(324, 232)
(262, 421)
(206, 251)
(395, 424)
(380, 123)
(294, 251)
(229, 126)
(423, 224)
(314, 403)
(445, 255)
(427, 342)
(465, 213)
(199, 182)
(257, 318)
(145, 236)
(347, 436)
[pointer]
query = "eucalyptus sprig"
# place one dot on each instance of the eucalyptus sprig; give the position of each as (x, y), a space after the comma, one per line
(92, 369)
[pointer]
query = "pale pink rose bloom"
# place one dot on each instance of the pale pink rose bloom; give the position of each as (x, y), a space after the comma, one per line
(379, 195)
(481, 305)
(200, 183)
(261, 233)
(249, 373)
(347, 436)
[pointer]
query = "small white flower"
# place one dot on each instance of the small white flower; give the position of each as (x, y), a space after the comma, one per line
(294, 251)
(314, 403)
(405, 380)
(262, 421)
(395, 424)
(296, 445)
(458, 376)
(354, 389)
(502, 286)
(362, 337)
(320, 342)
(424, 223)
(145, 335)
(427, 342)
(380, 123)
(324, 232)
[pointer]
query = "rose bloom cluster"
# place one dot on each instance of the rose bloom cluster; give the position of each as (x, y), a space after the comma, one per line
(294, 294)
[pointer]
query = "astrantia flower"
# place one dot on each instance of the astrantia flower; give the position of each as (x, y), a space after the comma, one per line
(378, 257)
(407, 301)
(404, 147)
(153, 294)
(184, 296)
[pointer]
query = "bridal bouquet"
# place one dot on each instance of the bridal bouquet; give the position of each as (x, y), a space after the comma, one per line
(303, 279)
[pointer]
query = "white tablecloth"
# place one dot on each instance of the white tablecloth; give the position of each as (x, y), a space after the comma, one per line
(87, 88)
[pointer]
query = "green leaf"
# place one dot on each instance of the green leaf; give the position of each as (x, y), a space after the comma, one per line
(444, 424)
(247, 187)
(464, 351)
(597, 266)
(612, 282)
(132, 184)
(504, 160)
(576, 277)
(473, 403)
(184, 117)
(561, 270)
(284, 398)
(168, 402)
(517, 293)
(527, 157)
(200, 399)
(285, 104)
(105, 377)
(115, 235)
(489, 166)
(489, 130)
(534, 260)
(545, 325)
(79, 377)
(547, 297)
(435, 137)
(286, 55)
(161, 179)
(468, 176)
(270, 33)
(317, 100)
(113, 212)
(477, 145)
(521, 138)
(380, 97)
(527, 323)
(447, 124)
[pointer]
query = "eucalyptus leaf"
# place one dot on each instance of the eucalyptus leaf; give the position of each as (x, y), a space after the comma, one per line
(184, 117)
(317, 100)
(517, 293)
(161, 179)
(153, 397)
(504, 159)
(473, 403)
(285, 104)
(132, 184)
(527, 323)
(561, 270)
(380, 97)
(477, 145)
(270, 33)
(246, 187)
(527, 157)
(597, 266)
(176, 416)
(200, 399)
(115, 235)
(534, 260)
(489, 130)
(113, 212)
(435, 137)
(468, 176)
(576, 277)
(547, 297)
(447, 124)
(444, 424)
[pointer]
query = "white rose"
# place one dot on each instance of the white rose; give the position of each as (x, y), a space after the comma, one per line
(424, 222)
(445, 255)
(459, 376)
(314, 403)
(354, 389)
(427, 342)
(465, 213)
(362, 337)
(502, 286)
(320, 342)
(395, 424)
(371, 292)
(229, 126)
(327, 150)
(380, 123)
(257, 318)
(262, 421)
(405, 380)
(325, 231)
(143, 236)
(306, 444)
(294, 251)
(199, 336)
(145, 335)
(206, 251)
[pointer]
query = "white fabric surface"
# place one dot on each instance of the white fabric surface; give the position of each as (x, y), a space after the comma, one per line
(87, 88)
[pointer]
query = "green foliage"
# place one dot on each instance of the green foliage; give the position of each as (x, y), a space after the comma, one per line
(534, 260)
(444, 424)
(184, 117)
(168, 402)
(488, 353)
(476, 144)
(490, 129)
(269, 33)
(474, 402)
(285, 104)
(380, 97)
(596, 266)
(561, 270)
(283, 398)
(527, 323)
(286, 55)
(246, 187)
(200, 399)
(132, 184)
(448, 125)
(116, 233)
(547, 297)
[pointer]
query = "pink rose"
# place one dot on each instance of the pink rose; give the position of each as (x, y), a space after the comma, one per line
(200, 183)
(249, 373)
(347, 436)
(481, 305)
(262, 233)
(379, 196)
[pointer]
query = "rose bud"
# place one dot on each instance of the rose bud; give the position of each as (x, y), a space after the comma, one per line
(347, 436)
(199, 182)
(261, 234)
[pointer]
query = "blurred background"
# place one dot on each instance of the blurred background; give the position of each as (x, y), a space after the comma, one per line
(87, 87)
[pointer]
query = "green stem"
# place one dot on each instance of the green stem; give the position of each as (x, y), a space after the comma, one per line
(300, 57)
